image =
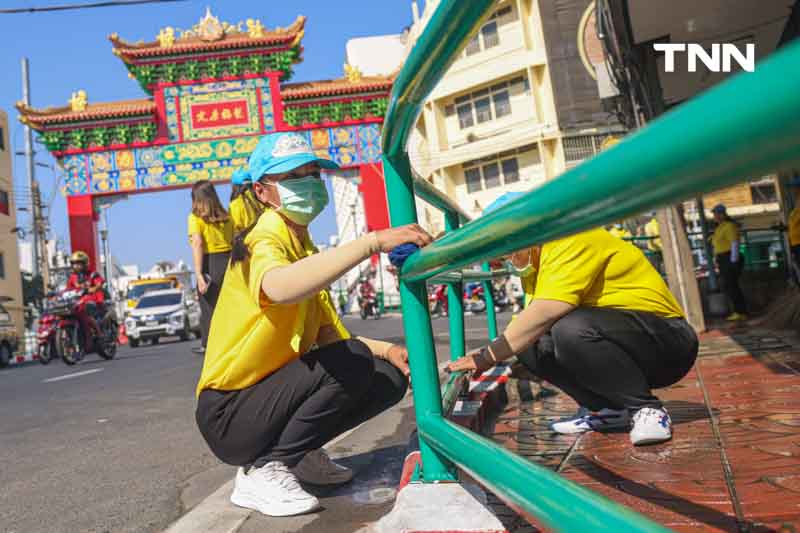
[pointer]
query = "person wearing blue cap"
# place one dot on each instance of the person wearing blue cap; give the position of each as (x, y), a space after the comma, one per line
(725, 241)
(243, 208)
(282, 376)
(600, 324)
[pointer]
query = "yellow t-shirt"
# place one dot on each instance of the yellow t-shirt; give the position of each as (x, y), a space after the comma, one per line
(620, 233)
(594, 269)
(794, 227)
(217, 237)
(651, 230)
(250, 336)
(724, 235)
(242, 213)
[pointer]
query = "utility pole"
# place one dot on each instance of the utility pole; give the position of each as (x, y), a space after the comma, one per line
(40, 237)
(26, 98)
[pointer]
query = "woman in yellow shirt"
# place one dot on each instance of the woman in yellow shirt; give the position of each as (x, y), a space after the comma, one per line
(244, 208)
(604, 328)
(282, 376)
(725, 241)
(210, 236)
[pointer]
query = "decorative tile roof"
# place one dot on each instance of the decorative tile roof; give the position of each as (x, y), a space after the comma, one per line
(209, 36)
(338, 87)
(41, 118)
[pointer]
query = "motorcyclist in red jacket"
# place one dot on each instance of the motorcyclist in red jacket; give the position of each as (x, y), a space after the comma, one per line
(93, 301)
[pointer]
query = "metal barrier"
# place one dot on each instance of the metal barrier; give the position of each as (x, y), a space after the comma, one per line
(721, 137)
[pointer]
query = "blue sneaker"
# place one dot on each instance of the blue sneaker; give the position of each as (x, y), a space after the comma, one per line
(585, 420)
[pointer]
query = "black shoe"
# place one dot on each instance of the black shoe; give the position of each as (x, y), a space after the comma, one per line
(200, 350)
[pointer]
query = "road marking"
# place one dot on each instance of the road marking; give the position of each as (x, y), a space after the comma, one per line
(74, 375)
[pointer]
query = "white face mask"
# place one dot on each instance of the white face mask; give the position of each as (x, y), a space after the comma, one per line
(302, 199)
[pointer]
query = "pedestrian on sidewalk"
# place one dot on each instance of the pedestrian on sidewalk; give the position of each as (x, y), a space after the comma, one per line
(282, 376)
(210, 236)
(794, 234)
(725, 241)
(603, 327)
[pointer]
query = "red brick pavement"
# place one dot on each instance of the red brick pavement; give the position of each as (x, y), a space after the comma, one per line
(733, 463)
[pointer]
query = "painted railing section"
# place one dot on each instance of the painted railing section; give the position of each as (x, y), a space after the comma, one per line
(729, 133)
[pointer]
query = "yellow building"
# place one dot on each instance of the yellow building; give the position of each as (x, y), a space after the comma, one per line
(517, 108)
(10, 279)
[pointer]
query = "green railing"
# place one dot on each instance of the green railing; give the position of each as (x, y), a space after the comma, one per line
(731, 132)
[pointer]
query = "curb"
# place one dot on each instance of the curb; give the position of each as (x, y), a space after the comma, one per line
(484, 395)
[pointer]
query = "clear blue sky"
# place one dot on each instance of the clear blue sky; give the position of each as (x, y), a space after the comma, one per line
(69, 50)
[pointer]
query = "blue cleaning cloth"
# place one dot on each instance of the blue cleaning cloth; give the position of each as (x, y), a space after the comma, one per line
(399, 254)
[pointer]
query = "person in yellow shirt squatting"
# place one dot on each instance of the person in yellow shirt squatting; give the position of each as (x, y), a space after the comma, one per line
(210, 236)
(603, 327)
(244, 208)
(282, 376)
(725, 241)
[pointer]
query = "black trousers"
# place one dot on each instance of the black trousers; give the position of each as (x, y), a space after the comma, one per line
(730, 272)
(214, 265)
(608, 358)
(300, 407)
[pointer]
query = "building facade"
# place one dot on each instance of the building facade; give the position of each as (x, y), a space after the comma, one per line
(10, 277)
(518, 107)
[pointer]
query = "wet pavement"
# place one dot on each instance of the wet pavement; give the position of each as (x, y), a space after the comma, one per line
(733, 463)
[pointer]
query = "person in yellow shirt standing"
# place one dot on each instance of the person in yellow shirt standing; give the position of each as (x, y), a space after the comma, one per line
(244, 208)
(210, 236)
(725, 241)
(282, 376)
(794, 233)
(604, 328)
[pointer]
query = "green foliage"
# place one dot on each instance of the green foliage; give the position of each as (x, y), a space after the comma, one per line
(145, 132)
(100, 136)
(191, 70)
(213, 68)
(292, 115)
(123, 134)
(170, 72)
(54, 140)
(358, 108)
(315, 114)
(235, 66)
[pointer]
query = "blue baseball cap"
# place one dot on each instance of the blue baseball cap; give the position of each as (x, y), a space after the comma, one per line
(502, 200)
(719, 208)
(277, 153)
(241, 176)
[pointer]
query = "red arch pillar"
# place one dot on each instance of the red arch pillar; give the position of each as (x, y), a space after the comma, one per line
(83, 227)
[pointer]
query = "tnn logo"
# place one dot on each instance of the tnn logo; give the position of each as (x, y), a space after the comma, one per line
(719, 60)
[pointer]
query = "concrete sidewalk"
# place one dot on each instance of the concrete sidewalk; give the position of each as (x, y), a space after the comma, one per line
(733, 463)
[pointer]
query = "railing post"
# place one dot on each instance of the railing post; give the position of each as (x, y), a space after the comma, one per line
(417, 323)
(455, 302)
(488, 295)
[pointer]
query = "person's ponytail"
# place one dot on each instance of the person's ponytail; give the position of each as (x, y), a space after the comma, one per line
(239, 250)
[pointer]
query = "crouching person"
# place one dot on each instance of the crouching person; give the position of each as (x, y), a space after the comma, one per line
(281, 375)
(604, 328)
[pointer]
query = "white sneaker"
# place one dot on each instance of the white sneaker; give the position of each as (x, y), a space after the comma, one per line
(651, 426)
(583, 421)
(272, 490)
(318, 468)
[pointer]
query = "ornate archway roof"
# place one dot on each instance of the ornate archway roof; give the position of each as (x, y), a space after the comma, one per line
(209, 36)
(338, 87)
(78, 111)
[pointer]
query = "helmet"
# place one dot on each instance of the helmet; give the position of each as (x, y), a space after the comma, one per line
(79, 257)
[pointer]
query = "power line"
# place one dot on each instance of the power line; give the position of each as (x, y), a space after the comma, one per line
(65, 7)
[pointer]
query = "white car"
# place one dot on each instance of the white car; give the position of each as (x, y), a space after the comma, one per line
(163, 313)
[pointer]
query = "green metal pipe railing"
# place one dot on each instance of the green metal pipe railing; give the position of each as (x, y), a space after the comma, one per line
(723, 136)
(720, 137)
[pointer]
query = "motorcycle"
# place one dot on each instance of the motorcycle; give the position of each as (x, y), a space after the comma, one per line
(70, 342)
(46, 349)
(473, 296)
(368, 306)
(437, 301)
